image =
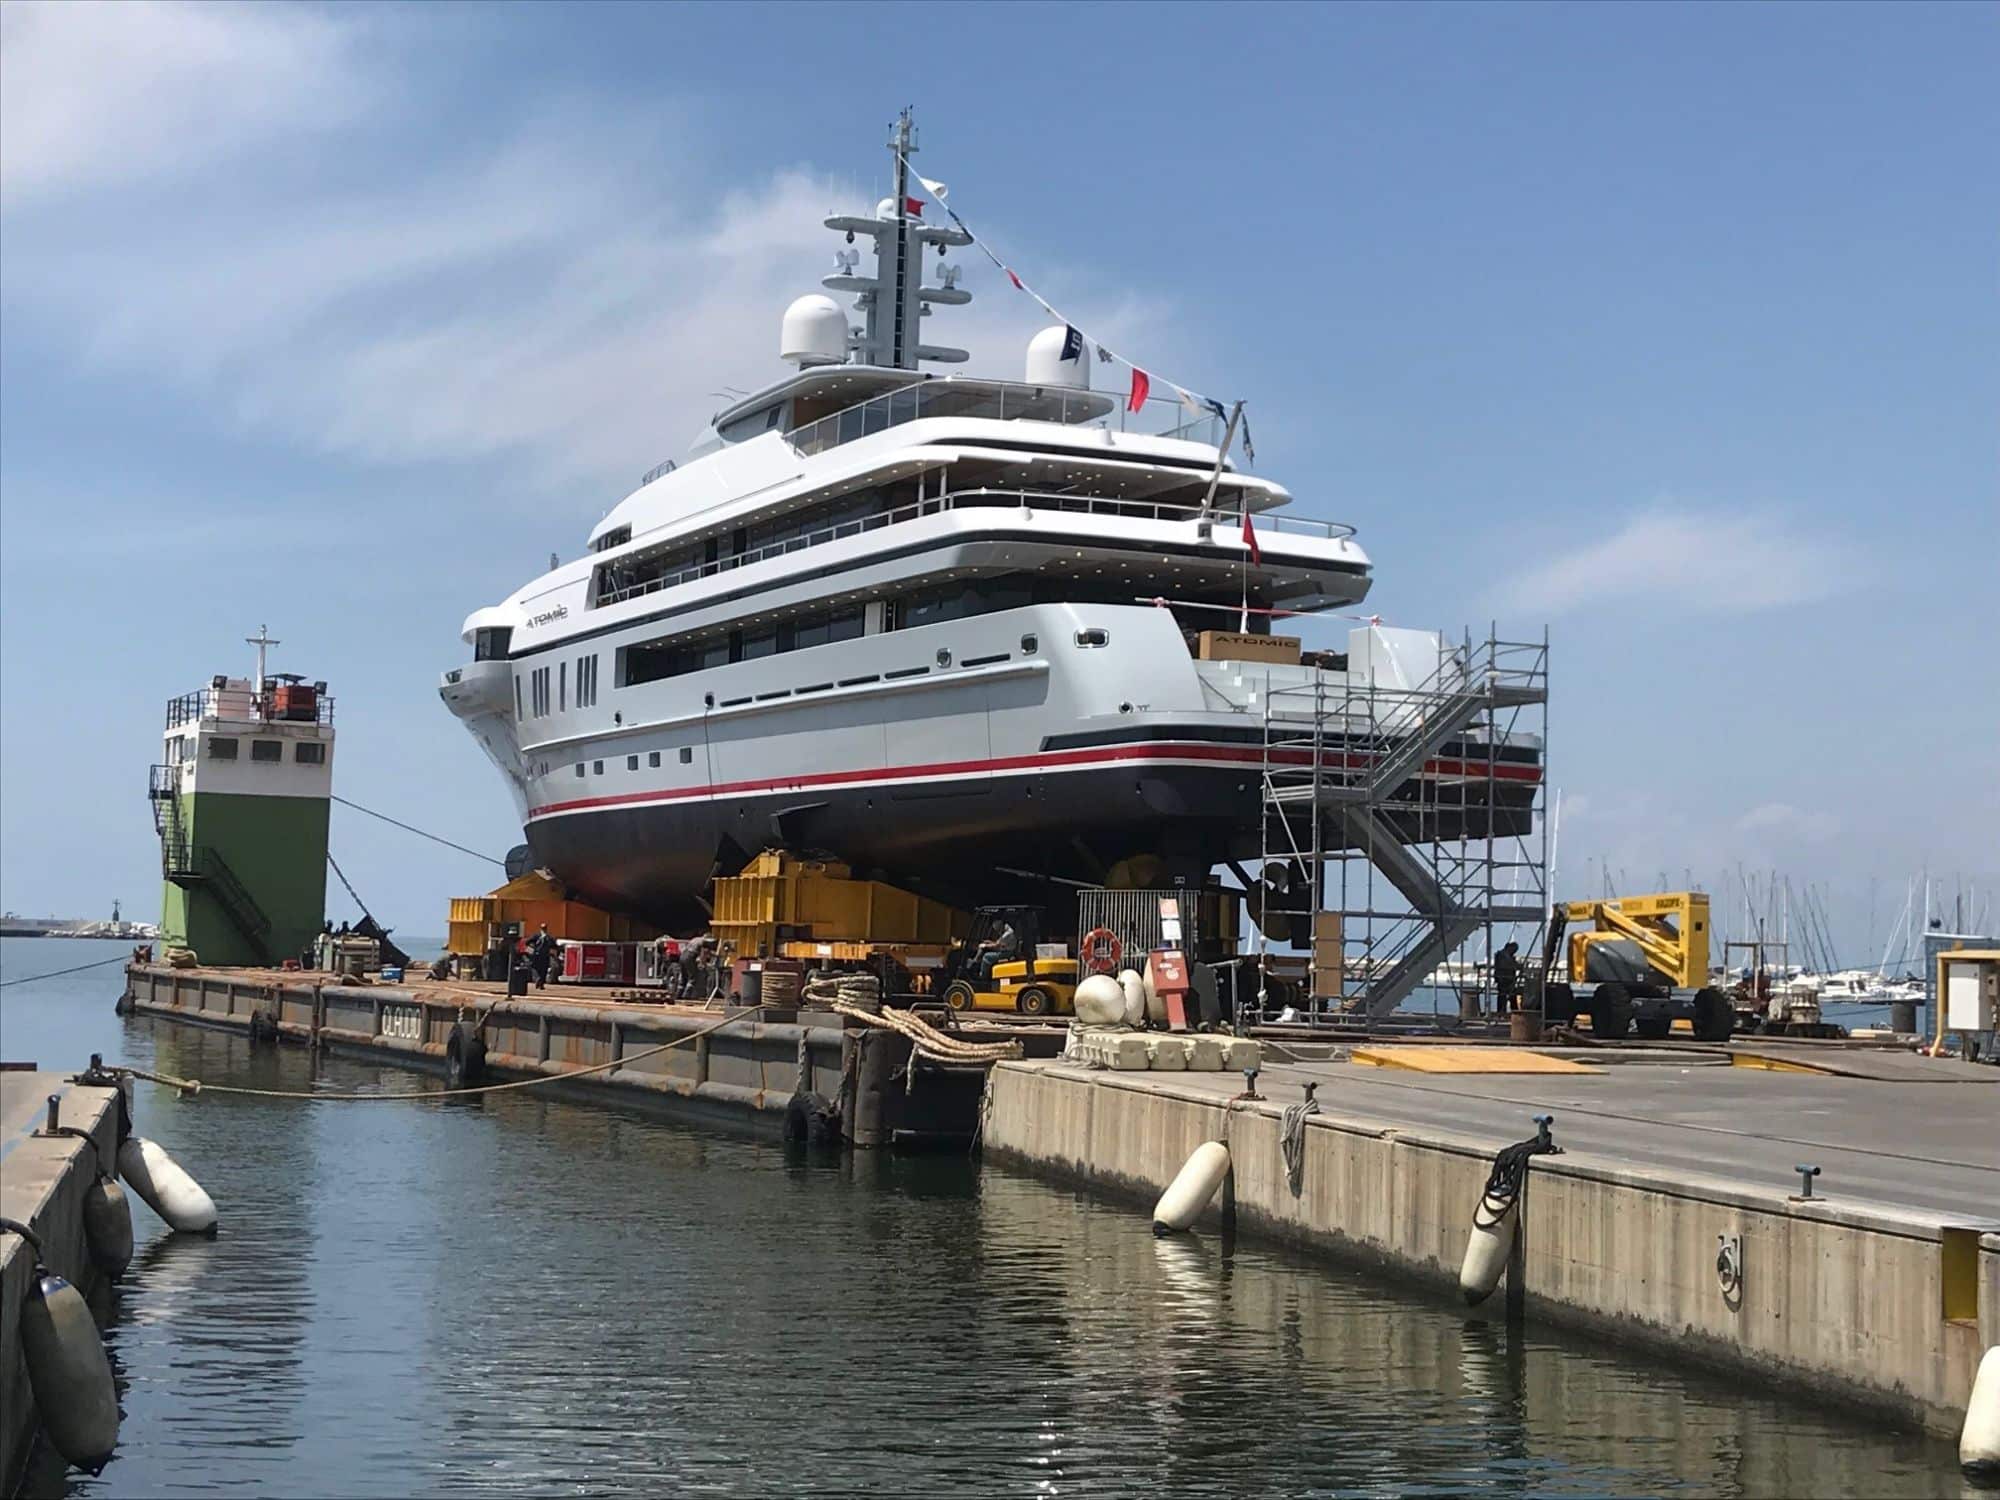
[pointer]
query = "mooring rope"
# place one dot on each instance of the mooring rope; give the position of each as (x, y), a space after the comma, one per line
(1292, 1140)
(927, 1039)
(1510, 1171)
(197, 1087)
(102, 963)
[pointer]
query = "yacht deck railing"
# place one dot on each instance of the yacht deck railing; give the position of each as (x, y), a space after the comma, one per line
(969, 499)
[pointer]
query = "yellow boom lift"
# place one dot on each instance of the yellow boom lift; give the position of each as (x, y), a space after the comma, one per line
(1642, 965)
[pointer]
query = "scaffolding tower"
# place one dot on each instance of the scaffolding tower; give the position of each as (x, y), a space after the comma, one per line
(1403, 818)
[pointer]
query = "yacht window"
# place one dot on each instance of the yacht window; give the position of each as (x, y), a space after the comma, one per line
(579, 768)
(617, 536)
(222, 749)
(753, 644)
(687, 755)
(267, 750)
(491, 644)
(310, 753)
(653, 759)
(517, 697)
(562, 687)
(1092, 638)
(631, 762)
(1030, 645)
(597, 768)
(586, 682)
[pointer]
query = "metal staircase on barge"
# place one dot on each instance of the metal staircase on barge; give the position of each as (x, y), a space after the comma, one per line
(1422, 790)
(194, 866)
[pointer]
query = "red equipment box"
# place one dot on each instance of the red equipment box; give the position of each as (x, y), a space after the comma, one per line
(295, 701)
(596, 963)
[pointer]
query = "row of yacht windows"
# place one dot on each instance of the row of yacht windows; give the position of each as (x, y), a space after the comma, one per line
(629, 575)
(675, 656)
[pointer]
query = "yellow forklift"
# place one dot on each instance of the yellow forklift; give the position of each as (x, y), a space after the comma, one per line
(1642, 965)
(1028, 985)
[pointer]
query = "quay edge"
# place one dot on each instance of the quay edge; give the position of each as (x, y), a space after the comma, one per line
(43, 1187)
(1842, 1300)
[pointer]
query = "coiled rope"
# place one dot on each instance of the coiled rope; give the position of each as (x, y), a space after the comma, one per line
(927, 1039)
(1510, 1171)
(1292, 1139)
(862, 991)
(194, 1086)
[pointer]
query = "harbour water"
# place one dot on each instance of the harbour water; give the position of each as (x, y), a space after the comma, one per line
(520, 1295)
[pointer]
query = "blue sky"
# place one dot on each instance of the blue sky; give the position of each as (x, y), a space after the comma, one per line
(1671, 328)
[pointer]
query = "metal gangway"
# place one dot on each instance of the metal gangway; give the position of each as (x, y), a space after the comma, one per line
(1403, 818)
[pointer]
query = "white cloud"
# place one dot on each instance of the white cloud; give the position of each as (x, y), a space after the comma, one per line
(94, 92)
(1707, 560)
(566, 296)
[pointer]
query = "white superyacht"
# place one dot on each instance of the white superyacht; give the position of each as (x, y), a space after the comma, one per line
(940, 626)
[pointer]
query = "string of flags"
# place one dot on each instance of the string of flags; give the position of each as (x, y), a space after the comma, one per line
(1075, 339)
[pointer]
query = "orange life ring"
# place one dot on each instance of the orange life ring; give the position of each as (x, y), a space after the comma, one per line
(1101, 951)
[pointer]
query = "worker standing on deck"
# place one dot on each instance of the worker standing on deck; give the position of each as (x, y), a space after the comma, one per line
(1507, 976)
(541, 953)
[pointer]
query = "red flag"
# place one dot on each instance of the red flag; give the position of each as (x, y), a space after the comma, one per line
(914, 207)
(1013, 278)
(1250, 535)
(1140, 385)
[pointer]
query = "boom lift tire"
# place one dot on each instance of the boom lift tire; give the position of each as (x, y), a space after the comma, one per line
(1714, 1016)
(1611, 1011)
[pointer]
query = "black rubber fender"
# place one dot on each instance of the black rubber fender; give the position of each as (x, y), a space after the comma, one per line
(812, 1119)
(464, 1058)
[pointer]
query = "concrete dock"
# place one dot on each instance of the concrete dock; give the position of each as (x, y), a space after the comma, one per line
(42, 1182)
(1883, 1289)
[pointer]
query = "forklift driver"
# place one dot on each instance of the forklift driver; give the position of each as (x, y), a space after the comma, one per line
(1002, 947)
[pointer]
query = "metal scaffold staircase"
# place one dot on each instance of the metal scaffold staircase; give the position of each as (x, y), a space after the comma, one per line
(202, 867)
(1411, 815)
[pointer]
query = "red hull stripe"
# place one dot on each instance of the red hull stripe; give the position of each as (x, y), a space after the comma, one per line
(1041, 761)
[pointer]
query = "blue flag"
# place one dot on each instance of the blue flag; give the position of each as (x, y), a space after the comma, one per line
(1072, 342)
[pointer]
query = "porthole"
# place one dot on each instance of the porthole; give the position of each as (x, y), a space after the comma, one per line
(1090, 639)
(1030, 644)
(944, 656)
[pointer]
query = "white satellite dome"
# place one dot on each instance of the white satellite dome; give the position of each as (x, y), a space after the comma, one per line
(815, 332)
(886, 209)
(1046, 365)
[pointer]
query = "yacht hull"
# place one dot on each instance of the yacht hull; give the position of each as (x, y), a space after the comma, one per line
(979, 838)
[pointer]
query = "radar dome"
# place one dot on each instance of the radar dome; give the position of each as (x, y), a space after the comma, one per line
(815, 332)
(1046, 365)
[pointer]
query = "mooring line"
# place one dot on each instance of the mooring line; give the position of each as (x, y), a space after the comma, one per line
(197, 1087)
(103, 963)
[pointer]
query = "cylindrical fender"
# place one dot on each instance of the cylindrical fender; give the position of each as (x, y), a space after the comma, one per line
(464, 1059)
(1979, 1442)
(107, 1226)
(1192, 1188)
(1135, 996)
(166, 1186)
(67, 1369)
(1486, 1252)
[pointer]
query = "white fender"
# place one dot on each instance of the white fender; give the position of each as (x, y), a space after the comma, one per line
(107, 1226)
(1135, 996)
(1099, 1001)
(67, 1370)
(1979, 1443)
(1487, 1250)
(1192, 1188)
(166, 1186)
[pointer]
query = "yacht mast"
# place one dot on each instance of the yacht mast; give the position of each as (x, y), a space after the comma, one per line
(902, 351)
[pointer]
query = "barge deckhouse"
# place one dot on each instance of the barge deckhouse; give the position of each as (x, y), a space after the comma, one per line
(942, 627)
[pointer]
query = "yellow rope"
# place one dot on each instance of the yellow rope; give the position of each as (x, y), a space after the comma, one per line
(927, 1039)
(196, 1086)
